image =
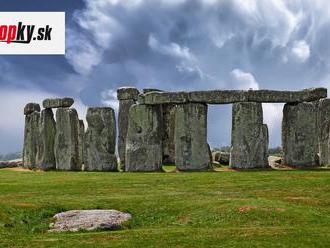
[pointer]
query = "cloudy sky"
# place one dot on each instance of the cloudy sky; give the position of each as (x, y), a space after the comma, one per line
(171, 45)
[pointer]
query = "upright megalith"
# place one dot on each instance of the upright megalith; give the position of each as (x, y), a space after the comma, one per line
(299, 135)
(127, 96)
(31, 135)
(323, 122)
(47, 131)
(191, 148)
(100, 140)
(67, 140)
(144, 139)
(249, 137)
(81, 137)
(168, 111)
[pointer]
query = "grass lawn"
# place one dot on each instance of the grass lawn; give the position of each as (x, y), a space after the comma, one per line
(210, 209)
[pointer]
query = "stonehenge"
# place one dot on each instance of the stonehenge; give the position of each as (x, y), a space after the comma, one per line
(100, 140)
(127, 96)
(31, 135)
(191, 148)
(144, 139)
(300, 134)
(249, 137)
(158, 127)
(47, 129)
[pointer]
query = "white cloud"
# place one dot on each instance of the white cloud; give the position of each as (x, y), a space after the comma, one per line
(109, 98)
(243, 80)
(273, 113)
(300, 51)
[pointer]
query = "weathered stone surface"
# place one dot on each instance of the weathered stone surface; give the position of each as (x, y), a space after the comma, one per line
(124, 106)
(31, 107)
(323, 120)
(147, 90)
(221, 157)
(65, 102)
(233, 96)
(47, 131)
(274, 161)
(127, 93)
(191, 148)
(81, 137)
(144, 139)
(100, 140)
(299, 135)
(67, 140)
(168, 133)
(89, 220)
(31, 140)
(249, 137)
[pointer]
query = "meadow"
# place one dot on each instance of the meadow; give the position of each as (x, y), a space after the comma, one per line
(266, 208)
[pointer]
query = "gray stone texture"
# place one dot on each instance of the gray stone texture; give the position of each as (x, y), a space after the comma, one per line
(249, 137)
(233, 96)
(89, 220)
(144, 139)
(47, 131)
(127, 93)
(299, 135)
(31, 107)
(81, 137)
(100, 140)
(127, 96)
(169, 111)
(67, 140)
(191, 148)
(323, 120)
(31, 140)
(65, 102)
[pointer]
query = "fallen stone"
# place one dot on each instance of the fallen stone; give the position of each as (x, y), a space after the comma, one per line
(191, 148)
(323, 119)
(31, 140)
(233, 96)
(67, 140)
(299, 135)
(89, 220)
(58, 102)
(31, 107)
(100, 140)
(144, 139)
(47, 131)
(127, 93)
(11, 163)
(249, 137)
(274, 161)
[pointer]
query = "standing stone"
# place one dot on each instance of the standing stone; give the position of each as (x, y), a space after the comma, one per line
(323, 119)
(46, 156)
(169, 111)
(299, 135)
(67, 140)
(81, 137)
(191, 148)
(31, 136)
(144, 139)
(127, 96)
(249, 137)
(100, 140)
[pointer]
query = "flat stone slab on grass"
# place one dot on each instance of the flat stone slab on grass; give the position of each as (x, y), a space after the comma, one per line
(89, 220)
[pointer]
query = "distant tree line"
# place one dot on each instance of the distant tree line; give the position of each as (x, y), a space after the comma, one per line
(10, 156)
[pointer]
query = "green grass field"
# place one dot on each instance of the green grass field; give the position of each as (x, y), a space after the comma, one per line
(210, 209)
